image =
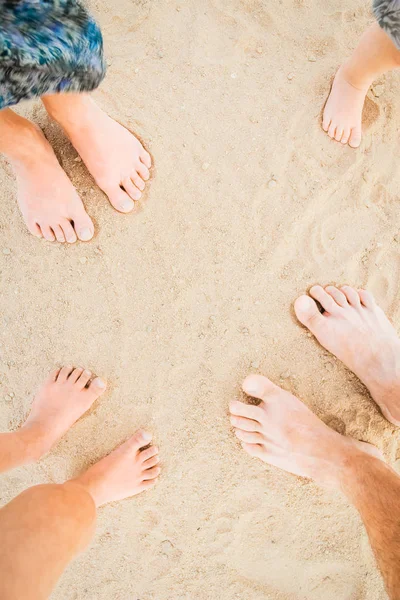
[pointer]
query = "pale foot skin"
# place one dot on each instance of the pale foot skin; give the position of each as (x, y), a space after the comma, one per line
(66, 395)
(115, 157)
(358, 333)
(47, 199)
(127, 471)
(283, 432)
(342, 119)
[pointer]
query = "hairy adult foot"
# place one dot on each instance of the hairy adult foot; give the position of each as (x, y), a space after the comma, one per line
(127, 471)
(283, 432)
(343, 110)
(115, 158)
(357, 331)
(48, 201)
(66, 395)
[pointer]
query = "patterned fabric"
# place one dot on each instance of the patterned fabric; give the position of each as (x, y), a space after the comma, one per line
(387, 13)
(47, 46)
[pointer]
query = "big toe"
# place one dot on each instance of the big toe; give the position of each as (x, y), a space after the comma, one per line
(259, 387)
(96, 388)
(308, 314)
(83, 226)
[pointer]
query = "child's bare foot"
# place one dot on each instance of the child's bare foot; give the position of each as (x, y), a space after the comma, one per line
(48, 201)
(283, 432)
(66, 395)
(357, 332)
(116, 159)
(343, 110)
(127, 471)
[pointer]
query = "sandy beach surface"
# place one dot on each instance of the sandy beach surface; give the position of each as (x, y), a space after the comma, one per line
(250, 204)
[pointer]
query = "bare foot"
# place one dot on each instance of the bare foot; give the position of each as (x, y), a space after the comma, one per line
(283, 432)
(66, 395)
(357, 331)
(343, 110)
(127, 471)
(116, 159)
(48, 201)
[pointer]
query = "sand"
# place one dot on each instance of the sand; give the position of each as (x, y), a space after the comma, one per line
(177, 304)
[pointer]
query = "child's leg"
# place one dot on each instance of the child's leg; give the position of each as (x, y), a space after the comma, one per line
(44, 528)
(376, 54)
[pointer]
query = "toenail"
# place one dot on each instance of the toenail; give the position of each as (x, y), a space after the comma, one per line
(85, 234)
(146, 437)
(127, 205)
(100, 383)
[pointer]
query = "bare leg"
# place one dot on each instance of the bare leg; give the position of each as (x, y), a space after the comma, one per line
(376, 54)
(66, 395)
(116, 159)
(48, 201)
(44, 528)
(283, 432)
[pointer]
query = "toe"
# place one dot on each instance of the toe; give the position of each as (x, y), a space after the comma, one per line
(139, 440)
(308, 314)
(367, 298)
(332, 130)
(259, 387)
(48, 233)
(143, 171)
(35, 230)
(145, 485)
(326, 121)
(84, 379)
(131, 189)
(151, 473)
(96, 388)
(83, 226)
(339, 133)
(68, 230)
(249, 437)
(64, 373)
(151, 462)
(121, 201)
(355, 137)
(76, 373)
(345, 136)
(255, 450)
(248, 411)
(145, 158)
(337, 295)
(138, 181)
(58, 232)
(148, 453)
(352, 295)
(53, 376)
(325, 299)
(245, 424)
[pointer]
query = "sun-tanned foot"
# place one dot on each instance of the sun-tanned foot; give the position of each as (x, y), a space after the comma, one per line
(66, 395)
(115, 158)
(48, 201)
(343, 111)
(127, 471)
(283, 432)
(357, 331)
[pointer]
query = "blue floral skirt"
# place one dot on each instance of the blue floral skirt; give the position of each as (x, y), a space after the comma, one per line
(47, 46)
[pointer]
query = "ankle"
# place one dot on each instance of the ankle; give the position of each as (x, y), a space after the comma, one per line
(68, 109)
(353, 77)
(34, 441)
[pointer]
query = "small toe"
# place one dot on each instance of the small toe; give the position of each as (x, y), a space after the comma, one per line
(138, 181)
(151, 462)
(249, 437)
(84, 379)
(325, 299)
(332, 130)
(255, 450)
(58, 232)
(64, 373)
(259, 387)
(308, 314)
(53, 375)
(143, 171)
(48, 233)
(339, 133)
(68, 230)
(345, 136)
(148, 453)
(337, 295)
(145, 158)
(352, 295)
(245, 424)
(355, 137)
(131, 189)
(367, 298)
(145, 485)
(121, 201)
(151, 473)
(248, 411)
(76, 373)
(326, 121)
(35, 230)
